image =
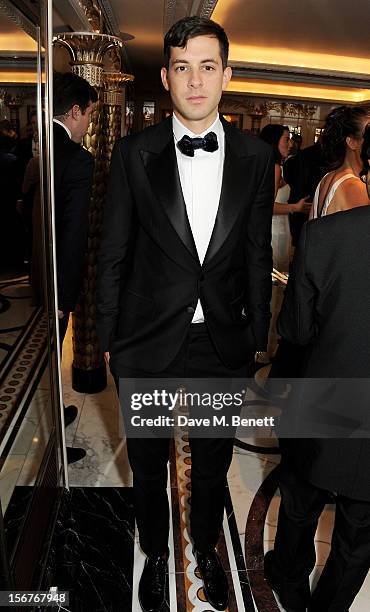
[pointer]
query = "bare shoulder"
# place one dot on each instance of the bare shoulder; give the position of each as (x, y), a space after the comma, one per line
(353, 193)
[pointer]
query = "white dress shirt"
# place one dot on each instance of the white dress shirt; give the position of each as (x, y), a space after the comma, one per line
(201, 181)
(63, 126)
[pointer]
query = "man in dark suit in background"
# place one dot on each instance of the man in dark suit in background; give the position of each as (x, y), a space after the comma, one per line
(73, 99)
(326, 308)
(303, 173)
(185, 280)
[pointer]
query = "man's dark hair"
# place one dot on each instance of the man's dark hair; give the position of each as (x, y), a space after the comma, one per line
(70, 89)
(190, 27)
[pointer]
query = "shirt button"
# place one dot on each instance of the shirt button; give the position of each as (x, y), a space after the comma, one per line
(190, 310)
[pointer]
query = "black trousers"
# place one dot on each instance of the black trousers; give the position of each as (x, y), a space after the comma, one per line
(349, 559)
(211, 458)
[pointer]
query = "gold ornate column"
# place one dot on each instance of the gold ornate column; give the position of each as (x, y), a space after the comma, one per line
(113, 102)
(87, 52)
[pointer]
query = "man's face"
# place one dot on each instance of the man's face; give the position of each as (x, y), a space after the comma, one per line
(195, 79)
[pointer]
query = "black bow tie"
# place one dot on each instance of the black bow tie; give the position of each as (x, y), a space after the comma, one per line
(188, 145)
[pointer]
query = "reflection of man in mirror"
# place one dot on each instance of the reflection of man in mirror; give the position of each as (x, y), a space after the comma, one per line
(73, 99)
(27, 151)
(28, 147)
(185, 281)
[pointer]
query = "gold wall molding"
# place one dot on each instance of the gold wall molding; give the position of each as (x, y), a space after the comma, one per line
(255, 108)
(110, 19)
(304, 111)
(177, 9)
(9, 9)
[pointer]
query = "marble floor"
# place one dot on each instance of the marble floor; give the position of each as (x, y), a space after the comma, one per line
(25, 410)
(249, 524)
(95, 552)
(17, 310)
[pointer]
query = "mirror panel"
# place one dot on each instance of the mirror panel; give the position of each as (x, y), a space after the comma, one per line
(30, 468)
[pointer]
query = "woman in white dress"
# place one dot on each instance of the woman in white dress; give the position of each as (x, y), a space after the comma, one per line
(278, 137)
(342, 139)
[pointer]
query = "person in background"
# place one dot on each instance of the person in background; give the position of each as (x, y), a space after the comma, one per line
(73, 100)
(341, 189)
(28, 130)
(26, 150)
(294, 175)
(341, 142)
(278, 137)
(11, 232)
(295, 146)
(31, 184)
(334, 327)
(28, 147)
(6, 129)
(303, 173)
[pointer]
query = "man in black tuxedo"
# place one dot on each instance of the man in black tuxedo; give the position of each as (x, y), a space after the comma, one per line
(73, 99)
(185, 280)
(326, 309)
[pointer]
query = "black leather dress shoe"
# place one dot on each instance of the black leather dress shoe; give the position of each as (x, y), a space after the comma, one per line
(152, 585)
(75, 454)
(216, 587)
(292, 598)
(70, 413)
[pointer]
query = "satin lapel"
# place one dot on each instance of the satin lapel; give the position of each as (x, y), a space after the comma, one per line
(233, 192)
(164, 178)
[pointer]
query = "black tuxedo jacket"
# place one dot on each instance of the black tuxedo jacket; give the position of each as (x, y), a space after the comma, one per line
(326, 308)
(150, 277)
(73, 170)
